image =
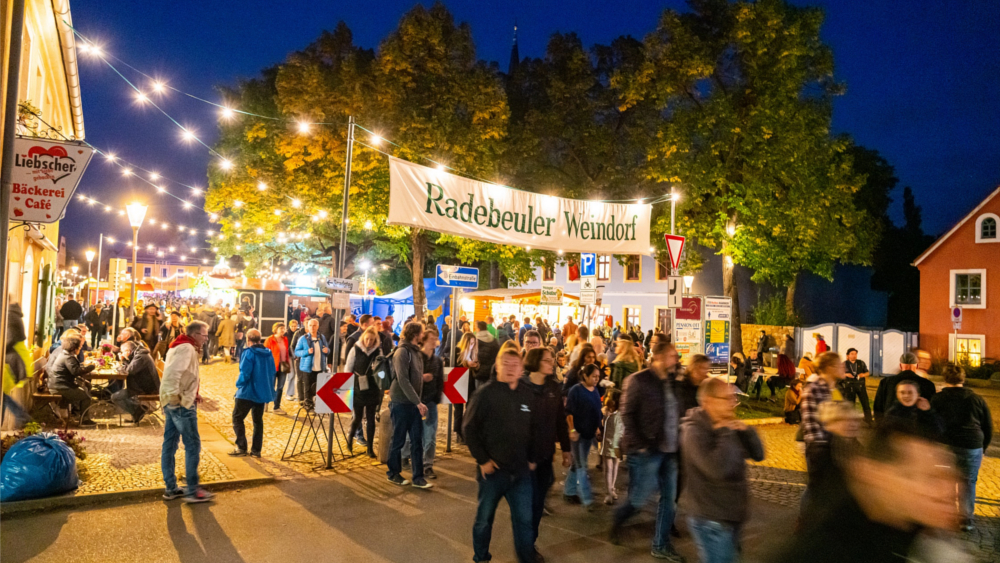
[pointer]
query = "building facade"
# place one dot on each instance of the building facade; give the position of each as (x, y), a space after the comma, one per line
(962, 270)
(49, 82)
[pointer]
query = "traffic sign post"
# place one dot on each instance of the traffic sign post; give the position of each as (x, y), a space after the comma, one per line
(457, 276)
(588, 284)
(347, 285)
(588, 265)
(456, 386)
(675, 245)
(956, 318)
(675, 291)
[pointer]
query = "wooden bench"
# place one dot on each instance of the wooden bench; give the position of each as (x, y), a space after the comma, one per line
(52, 401)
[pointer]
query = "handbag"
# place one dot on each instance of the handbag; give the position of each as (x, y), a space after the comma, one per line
(284, 367)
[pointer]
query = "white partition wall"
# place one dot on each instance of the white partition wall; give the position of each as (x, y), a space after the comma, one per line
(893, 346)
(849, 337)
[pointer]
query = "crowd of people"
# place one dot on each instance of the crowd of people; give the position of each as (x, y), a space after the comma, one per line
(537, 390)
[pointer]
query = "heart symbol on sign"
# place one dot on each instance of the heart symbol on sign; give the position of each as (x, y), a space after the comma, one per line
(79, 152)
(17, 199)
(47, 216)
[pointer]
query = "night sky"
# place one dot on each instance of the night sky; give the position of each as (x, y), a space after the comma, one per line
(922, 76)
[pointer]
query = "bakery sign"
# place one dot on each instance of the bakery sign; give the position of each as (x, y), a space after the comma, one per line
(45, 175)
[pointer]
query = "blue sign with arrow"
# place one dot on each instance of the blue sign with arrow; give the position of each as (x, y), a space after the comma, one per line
(457, 276)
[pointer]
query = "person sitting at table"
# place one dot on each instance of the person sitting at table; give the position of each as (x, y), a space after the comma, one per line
(141, 379)
(130, 334)
(64, 373)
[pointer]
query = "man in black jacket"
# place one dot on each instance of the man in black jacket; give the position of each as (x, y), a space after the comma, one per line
(142, 380)
(328, 329)
(551, 426)
(64, 372)
(488, 347)
(885, 396)
(430, 396)
(651, 414)
(71, 312)
(406, 408)
(500, 430)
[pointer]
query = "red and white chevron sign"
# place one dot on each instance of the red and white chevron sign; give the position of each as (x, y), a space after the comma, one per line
(335, 393)
(456, 386)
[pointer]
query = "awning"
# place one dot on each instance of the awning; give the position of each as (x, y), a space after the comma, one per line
(513, 293)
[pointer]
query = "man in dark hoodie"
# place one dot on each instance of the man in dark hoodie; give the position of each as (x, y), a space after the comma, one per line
(141, 379)
(208, 316)
(551, 427)
(885, 396)
(406, 408)
(716, 495)
(500, 430)
(488, 348)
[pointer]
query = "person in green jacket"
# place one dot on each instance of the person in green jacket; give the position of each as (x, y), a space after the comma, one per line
(627, 361)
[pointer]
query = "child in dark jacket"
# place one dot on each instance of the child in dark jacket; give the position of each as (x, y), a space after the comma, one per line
(583, 415)
(915, 410)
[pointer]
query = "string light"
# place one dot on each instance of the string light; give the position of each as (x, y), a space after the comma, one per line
(296, 203)
(277, 212)
(188, 135)
(261, 186)
(322, 214)
(110, 157)
(226, 164)
(376, 140)
(227, 113)
(303, 127)
(127, 172)
(158, 87)
(237, 203)
(141, 98)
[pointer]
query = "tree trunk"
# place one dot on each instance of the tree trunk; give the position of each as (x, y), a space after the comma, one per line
(418, 243)
(790, 299)
(495, 275)
(731, 290)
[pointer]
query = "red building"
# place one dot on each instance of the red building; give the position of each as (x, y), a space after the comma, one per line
(962, 269)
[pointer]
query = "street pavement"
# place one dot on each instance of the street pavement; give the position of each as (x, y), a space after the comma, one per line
(352, 513)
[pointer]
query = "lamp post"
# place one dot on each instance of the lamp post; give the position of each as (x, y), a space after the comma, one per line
(90, 262)
(365, 265)
(136, 213)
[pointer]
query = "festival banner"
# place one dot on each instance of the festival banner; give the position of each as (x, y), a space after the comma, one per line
(44, 177)
(430, 199)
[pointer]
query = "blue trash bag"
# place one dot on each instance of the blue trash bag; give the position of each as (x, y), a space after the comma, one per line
(38, 466)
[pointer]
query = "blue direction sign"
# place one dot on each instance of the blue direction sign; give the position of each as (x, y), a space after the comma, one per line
(588, 265)
(457, 276)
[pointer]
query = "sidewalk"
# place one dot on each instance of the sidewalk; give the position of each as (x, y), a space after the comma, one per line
(123, 464)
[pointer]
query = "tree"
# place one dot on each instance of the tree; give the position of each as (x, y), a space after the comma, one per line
(894, 270)
(746, 89)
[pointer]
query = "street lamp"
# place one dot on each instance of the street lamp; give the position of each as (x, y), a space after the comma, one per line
(90, 261)
(688, 282)
(136, 213)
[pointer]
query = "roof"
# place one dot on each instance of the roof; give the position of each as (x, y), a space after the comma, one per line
(512, 292)
(944, 237)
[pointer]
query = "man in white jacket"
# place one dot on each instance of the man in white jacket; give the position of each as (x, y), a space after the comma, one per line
(178, 395)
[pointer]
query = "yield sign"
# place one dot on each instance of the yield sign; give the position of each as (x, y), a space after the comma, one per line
(456, 386)
(675, 244)
(335, 393)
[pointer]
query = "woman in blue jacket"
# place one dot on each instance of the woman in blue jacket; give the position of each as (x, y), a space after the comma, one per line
(254, 389)
(312, 349)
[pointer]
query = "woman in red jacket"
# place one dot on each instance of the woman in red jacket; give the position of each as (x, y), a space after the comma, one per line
(277, 343)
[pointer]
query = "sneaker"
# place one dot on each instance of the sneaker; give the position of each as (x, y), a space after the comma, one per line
(255, 454)
(278, 410)
(238, 453)
(173, 494)
(571, 499)
(422, 483)
(201, 495)
(398, 480)
(667, 553)
(362, 441)
(429, 473)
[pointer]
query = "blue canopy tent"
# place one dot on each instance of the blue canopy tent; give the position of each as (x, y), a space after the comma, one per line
(400, 304)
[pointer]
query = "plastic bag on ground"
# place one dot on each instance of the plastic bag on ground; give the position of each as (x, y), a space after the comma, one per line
(38, 466)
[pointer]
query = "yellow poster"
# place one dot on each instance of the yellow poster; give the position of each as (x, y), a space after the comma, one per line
(717, 332)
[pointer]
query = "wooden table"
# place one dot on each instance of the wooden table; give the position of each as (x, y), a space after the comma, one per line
(101, 405)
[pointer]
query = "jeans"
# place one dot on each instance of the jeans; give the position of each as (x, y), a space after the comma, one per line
(647, 470)
(855, 388)
(239, 348)
(542, 479)
(256, 411)
(716, 541)
(968, 462)
(127, 403)
(430, 424)
(95, 338)
(279, 386)
(577, 480)
(364, 413)
(291, 385)
(517, 491)
(406, 421)
(307, 386)
(180, 423)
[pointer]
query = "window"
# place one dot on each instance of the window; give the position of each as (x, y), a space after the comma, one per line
(662, 272)
(548, 273)
(968, 289)
(633, 317)
(604, 267)
(986, 228)
(180, 272)
(163, 272)
(967, 349)
(147, 271)
(128, 270)
(633, 268)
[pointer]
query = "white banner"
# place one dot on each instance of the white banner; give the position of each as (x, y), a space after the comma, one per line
(438, 201)
(44, 178)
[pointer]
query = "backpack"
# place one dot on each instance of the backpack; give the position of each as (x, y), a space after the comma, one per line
(382, 368)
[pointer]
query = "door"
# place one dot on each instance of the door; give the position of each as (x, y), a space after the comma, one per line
(663, 321)
(893, 346)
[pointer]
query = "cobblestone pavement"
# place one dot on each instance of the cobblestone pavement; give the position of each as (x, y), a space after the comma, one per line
(127, 458)
(218, 385)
